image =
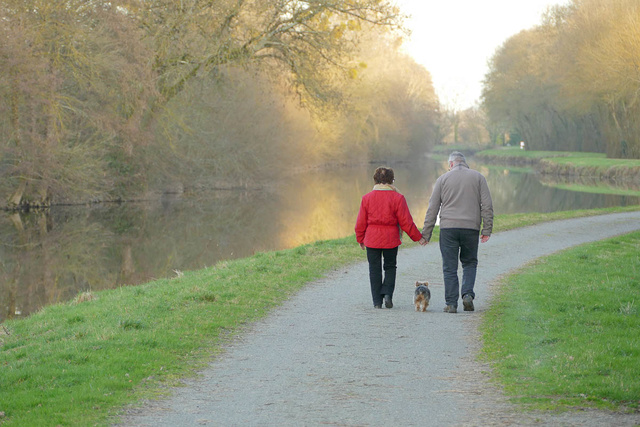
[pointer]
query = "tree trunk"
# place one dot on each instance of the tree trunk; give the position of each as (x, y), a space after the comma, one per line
(16, 220)
(16, 198)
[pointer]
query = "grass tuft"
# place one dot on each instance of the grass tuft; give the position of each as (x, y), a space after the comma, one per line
(131, 324)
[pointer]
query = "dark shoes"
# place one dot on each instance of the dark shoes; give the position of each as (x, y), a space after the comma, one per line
(467, 302)
(387, 301)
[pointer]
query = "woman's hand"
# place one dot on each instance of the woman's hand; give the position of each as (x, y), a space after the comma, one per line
(362, 246)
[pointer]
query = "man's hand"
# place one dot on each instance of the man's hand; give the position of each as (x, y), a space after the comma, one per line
(423, 241)
(484, 239)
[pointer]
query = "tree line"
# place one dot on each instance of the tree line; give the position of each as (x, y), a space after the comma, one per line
(109, 100)
(572, 82)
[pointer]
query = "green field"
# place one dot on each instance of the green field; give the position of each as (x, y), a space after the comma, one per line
(565, 331)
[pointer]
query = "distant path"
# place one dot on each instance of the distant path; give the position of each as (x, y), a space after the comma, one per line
(326, 357)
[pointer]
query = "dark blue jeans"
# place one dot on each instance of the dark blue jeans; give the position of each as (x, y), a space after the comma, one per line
(462, 243)
(379, 286)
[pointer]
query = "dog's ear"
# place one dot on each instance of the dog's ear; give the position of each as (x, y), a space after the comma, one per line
(426, 283)
(417, 283)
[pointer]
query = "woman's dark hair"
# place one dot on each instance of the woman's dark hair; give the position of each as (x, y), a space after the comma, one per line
(383, 176)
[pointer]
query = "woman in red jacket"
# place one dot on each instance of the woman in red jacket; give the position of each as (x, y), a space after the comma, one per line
(383, 216)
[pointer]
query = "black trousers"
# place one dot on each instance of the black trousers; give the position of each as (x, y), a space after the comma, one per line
(382, 286)
(459, 244)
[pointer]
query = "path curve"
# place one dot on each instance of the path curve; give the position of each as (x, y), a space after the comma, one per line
(326, 357)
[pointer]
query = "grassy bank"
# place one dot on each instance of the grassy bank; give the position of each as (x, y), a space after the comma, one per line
(514, 156)
(570, 170)
(77, 363)
(596, 188)
(565, 162)
(565, 331)
(514, 153)
(467, 150)
(595, 167)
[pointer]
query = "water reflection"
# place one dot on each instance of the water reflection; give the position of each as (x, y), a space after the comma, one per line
(48, 258)
(628, 186)
(324, 205)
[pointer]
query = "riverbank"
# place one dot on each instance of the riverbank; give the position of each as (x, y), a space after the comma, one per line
(74, 364)
(563, 163)
(573, 171)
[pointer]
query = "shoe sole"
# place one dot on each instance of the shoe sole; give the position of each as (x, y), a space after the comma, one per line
(388, 303)
(468, 305)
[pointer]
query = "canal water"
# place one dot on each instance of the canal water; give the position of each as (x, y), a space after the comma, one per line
(50, 257)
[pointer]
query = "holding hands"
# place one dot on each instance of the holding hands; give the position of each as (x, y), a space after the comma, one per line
(422, 242)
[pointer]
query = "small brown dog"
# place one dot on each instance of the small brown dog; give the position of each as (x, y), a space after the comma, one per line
(421, 296)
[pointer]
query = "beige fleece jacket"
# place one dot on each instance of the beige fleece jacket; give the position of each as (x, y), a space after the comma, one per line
(463, 199)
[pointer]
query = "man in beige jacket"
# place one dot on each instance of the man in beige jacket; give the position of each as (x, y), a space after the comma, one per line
(466, 211)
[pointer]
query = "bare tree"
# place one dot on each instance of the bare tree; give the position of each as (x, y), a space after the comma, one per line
(75, 77)
(196, 37)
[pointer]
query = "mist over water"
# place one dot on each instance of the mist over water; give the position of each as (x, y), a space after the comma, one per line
(52, 257)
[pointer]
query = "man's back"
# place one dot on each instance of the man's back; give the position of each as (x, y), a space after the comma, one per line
(461, 195)
(463, 199)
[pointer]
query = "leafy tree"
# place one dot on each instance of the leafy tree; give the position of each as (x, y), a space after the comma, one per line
(572, 83)
(600, 42)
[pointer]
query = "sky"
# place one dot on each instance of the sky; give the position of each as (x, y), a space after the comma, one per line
(455, 39)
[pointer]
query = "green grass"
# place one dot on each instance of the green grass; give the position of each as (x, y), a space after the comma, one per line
(596, 161)
(598, 189)
(565, 331)
(511, 169)
(74, 363)
(516, 152)
(78, 363)
(443, 150)
(512, 221)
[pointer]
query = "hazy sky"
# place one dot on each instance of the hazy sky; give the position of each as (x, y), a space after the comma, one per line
(454, 39)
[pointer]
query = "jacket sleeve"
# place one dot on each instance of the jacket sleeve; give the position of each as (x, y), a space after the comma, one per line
(432, 211)
(361, 222)
(486, 208)
(406, 221)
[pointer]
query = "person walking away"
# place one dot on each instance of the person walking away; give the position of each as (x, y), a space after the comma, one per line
(383, 216)
(463, 199)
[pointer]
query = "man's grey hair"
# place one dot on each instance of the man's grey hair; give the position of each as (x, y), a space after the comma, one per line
(457, 157)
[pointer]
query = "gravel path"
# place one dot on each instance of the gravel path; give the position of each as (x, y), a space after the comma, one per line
(327, 357)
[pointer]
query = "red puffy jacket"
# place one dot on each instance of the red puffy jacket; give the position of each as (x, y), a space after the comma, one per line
(381, 212)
